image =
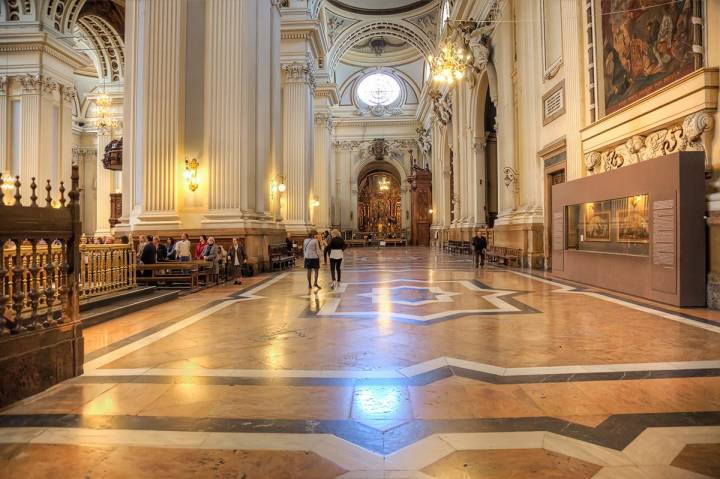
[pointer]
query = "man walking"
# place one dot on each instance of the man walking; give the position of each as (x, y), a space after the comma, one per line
(479, 246)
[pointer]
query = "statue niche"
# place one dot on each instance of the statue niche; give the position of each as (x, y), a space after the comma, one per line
(379, 204)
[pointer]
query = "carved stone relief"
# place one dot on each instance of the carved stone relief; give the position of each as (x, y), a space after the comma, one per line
(680, 137)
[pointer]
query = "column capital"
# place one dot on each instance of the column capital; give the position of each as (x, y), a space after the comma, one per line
(68, 94)
(299, 72)
(324, 118)
(38, 84)
(4, 83)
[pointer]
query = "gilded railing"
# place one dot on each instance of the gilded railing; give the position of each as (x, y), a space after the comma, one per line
(105, 268)
(32, 273)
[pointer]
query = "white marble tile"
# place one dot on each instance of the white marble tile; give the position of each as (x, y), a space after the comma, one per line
(346, 455)
(424, 367)
(584, 451)
(419, 455)
(143, 438)
(19, 435)
(475, 366)
(252, 441)
(653, 448)
(545, 370)
(494, 440)
(116, 372)
(621, 472)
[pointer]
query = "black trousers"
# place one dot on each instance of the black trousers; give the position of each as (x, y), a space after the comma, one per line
(480, 255)
(335, 266)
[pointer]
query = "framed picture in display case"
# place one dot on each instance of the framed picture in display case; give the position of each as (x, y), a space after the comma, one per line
(632, 226)
(597, 225)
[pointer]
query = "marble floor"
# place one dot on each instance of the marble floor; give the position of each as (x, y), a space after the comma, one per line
(416, 366)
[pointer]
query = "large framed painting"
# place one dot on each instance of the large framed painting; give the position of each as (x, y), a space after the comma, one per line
(632, 226)
(597, 226)
(645, 45)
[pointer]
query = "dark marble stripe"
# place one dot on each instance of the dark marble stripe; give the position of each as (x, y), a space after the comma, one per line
(616, 432)
(417, 380)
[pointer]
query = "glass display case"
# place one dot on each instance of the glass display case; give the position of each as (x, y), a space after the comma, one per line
(619, 226)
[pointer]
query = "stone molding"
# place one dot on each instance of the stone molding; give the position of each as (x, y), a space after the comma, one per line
(685, 136)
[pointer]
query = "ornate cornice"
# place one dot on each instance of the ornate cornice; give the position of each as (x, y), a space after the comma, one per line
(685, 136)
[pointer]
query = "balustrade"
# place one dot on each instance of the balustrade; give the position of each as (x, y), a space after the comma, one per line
(37, 277)
(106, 268)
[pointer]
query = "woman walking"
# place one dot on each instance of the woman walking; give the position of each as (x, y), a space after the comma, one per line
(312, 253)
(236, 260)
(335, 249)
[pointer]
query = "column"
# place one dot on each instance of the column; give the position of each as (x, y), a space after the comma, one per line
(479, 179)
(321, 186)
(30, 113)
(572, 14)
(4, 130)
(297, 143)
(156, 92)
(228, 116)
(103, 185)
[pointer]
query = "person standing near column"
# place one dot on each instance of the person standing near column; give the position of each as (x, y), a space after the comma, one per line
(479, 247)
(335, 249)
(312, 253)
(236, 260)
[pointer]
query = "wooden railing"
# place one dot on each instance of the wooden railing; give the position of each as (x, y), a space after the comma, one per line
(38, 277)
(41, 342)
(106, 268)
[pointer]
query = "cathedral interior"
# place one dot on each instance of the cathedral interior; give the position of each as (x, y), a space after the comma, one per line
(512, 209)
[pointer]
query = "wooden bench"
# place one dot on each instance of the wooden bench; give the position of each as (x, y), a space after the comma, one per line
(169, 273)
(279, 257)
(504, 255)
(358, 239)
(458, 247)
(206, 272)
(394, 241)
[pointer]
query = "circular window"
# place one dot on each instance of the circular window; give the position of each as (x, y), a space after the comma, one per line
(378, 89)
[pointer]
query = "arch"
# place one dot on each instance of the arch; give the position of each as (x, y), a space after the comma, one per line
(379, 210)
(358, 167)
(397, 29)
(62, 14)
(105, 47)
(485, 87)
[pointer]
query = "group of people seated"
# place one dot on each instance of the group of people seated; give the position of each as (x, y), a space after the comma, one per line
(152, 250)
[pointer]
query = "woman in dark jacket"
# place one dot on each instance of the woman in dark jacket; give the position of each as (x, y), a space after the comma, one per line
(236, 260)
(335, 249)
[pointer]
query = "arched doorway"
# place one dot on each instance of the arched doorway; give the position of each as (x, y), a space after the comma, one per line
(491, 161)
(379, 206)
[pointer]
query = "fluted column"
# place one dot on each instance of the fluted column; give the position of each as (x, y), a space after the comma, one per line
(572, 14)
(227, 119)
(321, 186)
(297, 142)
(156, 92)
(4, 130)
(478, 177)
(32, 87)
(103, 185)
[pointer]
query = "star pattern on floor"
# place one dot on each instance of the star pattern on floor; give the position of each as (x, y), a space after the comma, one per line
(415, 301)
(381, 295)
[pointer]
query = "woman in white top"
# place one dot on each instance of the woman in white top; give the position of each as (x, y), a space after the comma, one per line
(312, 253)
(335, 249)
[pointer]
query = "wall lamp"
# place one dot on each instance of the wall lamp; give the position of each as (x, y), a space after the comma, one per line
(191, 169)
(315, 203)
(277, 185)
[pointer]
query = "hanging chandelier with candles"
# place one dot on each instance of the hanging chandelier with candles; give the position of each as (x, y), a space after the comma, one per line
(104, 113)
(450, 63)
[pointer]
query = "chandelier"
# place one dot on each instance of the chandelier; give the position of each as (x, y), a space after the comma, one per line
(384, 184)
(449, 65)
(103, 103)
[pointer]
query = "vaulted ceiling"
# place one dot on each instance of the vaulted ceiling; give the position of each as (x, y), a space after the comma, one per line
(379, 7)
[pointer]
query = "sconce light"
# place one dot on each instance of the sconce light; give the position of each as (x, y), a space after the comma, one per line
(8, 182)
(191, 167)
(430, 211)
(277, 185)
(315, 203)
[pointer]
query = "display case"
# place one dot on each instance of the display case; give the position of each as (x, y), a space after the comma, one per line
(638, 229)
(619, 226)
